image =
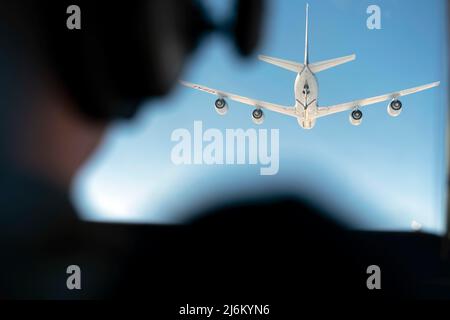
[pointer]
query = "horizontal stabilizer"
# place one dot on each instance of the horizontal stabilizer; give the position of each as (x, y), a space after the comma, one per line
(324, 65)
(285, 64)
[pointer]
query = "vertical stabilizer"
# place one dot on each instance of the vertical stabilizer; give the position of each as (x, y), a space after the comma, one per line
(306, 36)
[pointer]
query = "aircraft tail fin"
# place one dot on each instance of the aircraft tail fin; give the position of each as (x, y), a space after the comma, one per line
(306, 36)
(285, 64)
(324, 65)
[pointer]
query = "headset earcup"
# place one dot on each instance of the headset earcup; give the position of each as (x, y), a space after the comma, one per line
(247, 25)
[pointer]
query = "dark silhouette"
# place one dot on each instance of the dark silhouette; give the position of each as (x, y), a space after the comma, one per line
(54, 106)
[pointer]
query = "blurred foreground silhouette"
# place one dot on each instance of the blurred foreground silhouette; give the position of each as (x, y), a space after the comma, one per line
(265, 250)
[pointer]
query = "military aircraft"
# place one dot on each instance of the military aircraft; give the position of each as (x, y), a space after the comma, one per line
(306, 109)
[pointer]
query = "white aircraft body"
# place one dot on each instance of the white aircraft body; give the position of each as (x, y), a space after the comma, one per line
(306, 108)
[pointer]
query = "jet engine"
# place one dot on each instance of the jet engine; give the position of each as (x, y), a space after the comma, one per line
(356, 117)
(394, 108)
(258, 116)
(221, 106)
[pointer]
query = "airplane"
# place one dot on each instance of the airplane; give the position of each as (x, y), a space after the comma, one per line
(306, 109)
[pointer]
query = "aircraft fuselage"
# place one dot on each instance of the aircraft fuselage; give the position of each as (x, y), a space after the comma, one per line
(306, 95)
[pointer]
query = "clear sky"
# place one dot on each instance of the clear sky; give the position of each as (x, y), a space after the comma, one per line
(381, 175)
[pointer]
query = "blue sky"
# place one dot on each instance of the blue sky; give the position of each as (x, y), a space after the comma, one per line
(380, 176)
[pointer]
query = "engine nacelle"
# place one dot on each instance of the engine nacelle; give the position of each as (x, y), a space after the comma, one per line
(258, 116)
(356, 117)
(221, 106)
(394, 108)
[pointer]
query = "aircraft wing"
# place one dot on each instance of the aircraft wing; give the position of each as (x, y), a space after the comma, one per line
(251, 102)
(325, 111)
